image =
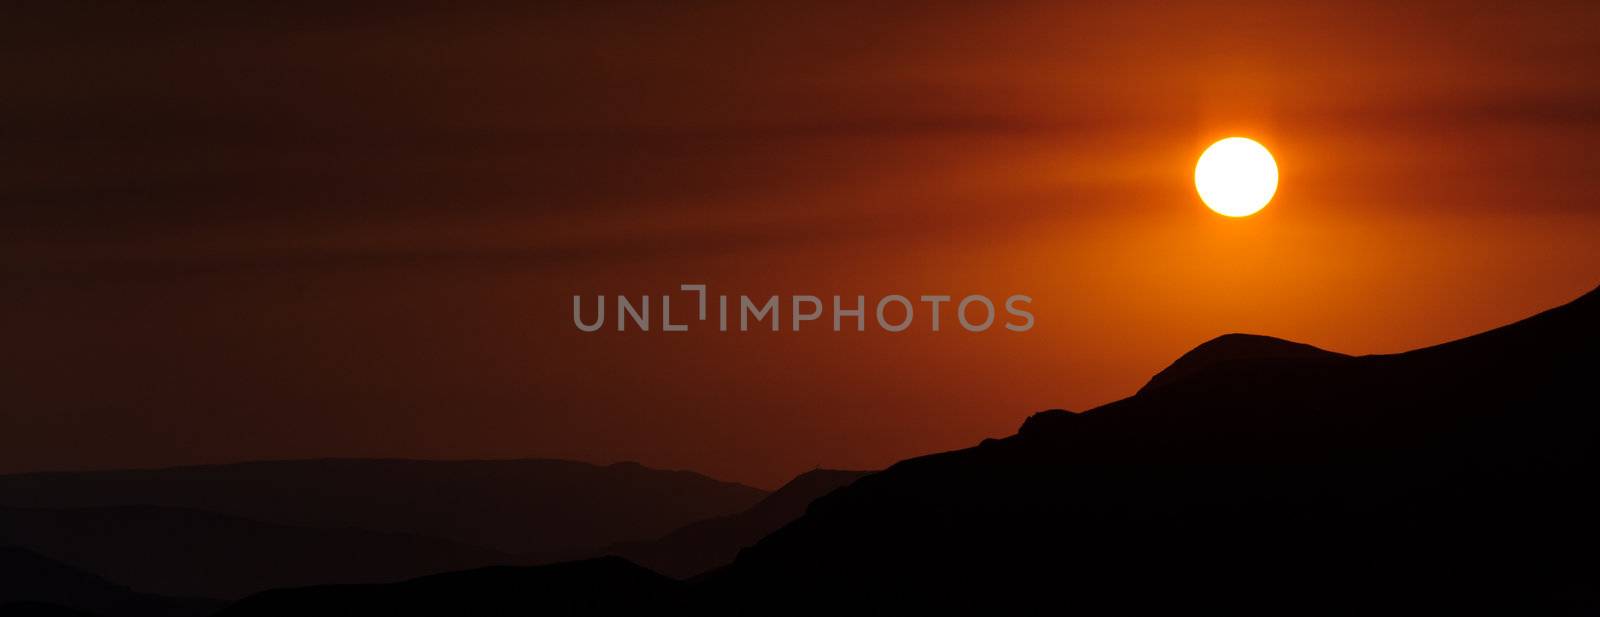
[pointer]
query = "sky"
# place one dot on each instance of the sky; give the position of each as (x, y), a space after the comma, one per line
(234, 233)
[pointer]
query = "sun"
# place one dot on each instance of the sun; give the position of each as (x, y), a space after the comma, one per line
(1236, 177)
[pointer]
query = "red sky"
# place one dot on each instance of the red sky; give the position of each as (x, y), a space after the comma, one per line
(300, 232)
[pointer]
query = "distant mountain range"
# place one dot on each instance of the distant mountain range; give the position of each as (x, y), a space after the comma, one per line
(601, 585)
(532, 508)
(32, 584)
(227, 531)
(604, 586)
(181, 552)
(185, 552)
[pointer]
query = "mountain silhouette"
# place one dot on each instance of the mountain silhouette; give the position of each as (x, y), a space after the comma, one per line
(1233, 348)
(32, 584)
(607, 585)
(526, 507)
(1257, 476)
(703, 545)
(181, 552)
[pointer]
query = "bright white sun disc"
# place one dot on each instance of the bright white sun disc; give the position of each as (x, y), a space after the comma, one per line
(1236, 177)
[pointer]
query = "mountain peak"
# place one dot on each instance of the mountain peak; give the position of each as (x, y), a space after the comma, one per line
(1047, 421)
(1230, 347)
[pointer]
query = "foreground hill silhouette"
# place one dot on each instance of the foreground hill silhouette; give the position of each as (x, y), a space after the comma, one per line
(193, 553)
(704, 545)
(1456, 478)
(32, 584)
(537, 508)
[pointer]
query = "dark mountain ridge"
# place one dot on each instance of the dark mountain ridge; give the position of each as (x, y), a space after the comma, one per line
(1449, 478)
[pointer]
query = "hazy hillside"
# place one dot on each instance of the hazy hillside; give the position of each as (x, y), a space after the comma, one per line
(703, 545)
(181, 552)
(517, 506)
(608, 586)
(33, 584)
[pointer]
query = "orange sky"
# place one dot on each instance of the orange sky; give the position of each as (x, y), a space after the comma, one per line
(304, 233)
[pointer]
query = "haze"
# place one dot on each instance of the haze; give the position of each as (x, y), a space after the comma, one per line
(301, 232)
